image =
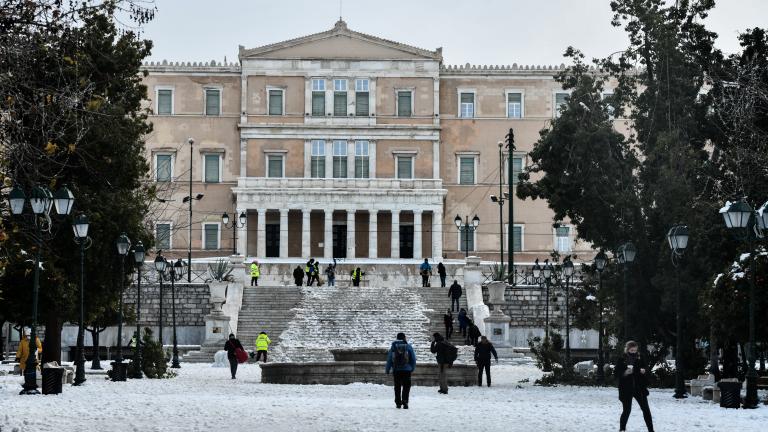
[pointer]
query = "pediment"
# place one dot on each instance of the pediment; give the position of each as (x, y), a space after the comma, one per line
(340, 43)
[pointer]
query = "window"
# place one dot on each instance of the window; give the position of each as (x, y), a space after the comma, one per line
(404, 103)
(339, 97)
(467, 170)
(165, 102)
(210, 236)
(466, 239)
(517, 168)
(275, 166)
(163, 167)
(162, 236)
(517, 231)
(339, 159)
(317, 160)
(275, 102)
(212, 168)
(362, 164)
(609, 108)
(561, 100)
(362, 100)
(563, 239)
(404, 167)
(318, 97)
(467, 105)
(212, 102)
(514, 105)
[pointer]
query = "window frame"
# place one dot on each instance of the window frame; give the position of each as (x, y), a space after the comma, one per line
(205, 166)
(345, 93)
(555, 107)
(321, 145)
(205, 100)
(459, 157)
(611, 110)
(460, 244)
(367, 91)
(556, 243)
(507, 92)
(270, 89)
(523, 158)
(459, 91)
(343, 144)
(281, 155)
(158, 88)
(366, 156)
(522, 235)
(322, 92)
(157, 165)
(218, 236)
(397, 102)
(170, 234)
(412, 157)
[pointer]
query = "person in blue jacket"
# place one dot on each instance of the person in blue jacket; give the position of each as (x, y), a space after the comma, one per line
(402, 359)
(426, 271)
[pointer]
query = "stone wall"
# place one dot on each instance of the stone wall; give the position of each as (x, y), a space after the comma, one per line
(192, 303)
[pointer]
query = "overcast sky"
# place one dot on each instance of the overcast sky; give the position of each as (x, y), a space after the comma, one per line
(477, 31)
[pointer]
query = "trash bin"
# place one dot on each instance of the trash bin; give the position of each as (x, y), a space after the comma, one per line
(52, 379)
(119, 371)
(730, 394)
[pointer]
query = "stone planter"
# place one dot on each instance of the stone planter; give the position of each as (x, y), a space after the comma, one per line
(218, 291)
(496, 291)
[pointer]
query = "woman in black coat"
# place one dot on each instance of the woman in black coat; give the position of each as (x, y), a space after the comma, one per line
(230, 346)
(631, 372)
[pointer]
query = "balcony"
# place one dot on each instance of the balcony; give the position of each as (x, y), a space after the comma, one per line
(305, 183)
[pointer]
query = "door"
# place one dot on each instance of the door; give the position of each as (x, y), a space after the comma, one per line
(340, 241)
(273, 240)
(406, 241)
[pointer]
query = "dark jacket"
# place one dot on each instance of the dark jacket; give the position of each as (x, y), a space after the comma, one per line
(448, 320)
(391, 357)
(298, 273)
(635, 383)
(230, 346)
(455, 290)
(474, 331)
(440, 348)
(483, 353)
(441, 269)
(462, 319)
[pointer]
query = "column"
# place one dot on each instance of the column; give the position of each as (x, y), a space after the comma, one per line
(328, 238)
(373, 233)
(350, 160)
(351, 233)
(261, 233)
(242, 235)
(417, 252)
(283, 233)
(435, 159)
(243, 157)
(437, 235)
(305, 233)
(329, 159)
(395, 244)
(372, 159)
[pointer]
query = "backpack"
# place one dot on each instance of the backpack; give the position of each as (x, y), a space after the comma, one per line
(400, 356)
(451, 352)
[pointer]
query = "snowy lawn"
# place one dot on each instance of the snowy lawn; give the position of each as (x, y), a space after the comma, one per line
(203, 398)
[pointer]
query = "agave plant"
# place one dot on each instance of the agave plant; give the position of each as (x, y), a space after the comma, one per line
(499, 272)
(220, 271)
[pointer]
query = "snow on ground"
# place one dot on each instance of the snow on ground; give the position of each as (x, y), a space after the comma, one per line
(203, 398)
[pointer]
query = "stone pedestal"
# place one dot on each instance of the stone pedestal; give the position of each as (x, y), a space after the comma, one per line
(216, 329)
(497, 324)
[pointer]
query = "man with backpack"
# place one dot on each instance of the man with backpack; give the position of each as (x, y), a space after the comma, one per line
(402, 359)
(454, 292)
(446, 354)
(483, 352)
(426, 271)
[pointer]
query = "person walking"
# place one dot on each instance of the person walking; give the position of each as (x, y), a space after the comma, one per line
(473, 332)
(463, 321)
(330, 273)
(230, 346)
(426, 271)
(357, 275)
(448, 321)
(631, 371)
(255, 273)
(262, 345)
(483, 351)
(445, 354)
(308, 270)
(401, 359)
(23, 352)
(454, 292)
(441, 272)
(314, 273)
(298, 275)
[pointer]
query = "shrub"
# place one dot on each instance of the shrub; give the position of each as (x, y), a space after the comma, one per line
(154, 362)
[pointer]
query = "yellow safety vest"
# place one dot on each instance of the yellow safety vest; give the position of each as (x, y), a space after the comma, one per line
(255, 270)
(262, 342)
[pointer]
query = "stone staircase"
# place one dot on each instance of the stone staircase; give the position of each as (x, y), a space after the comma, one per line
(266, 308)
(437, 303)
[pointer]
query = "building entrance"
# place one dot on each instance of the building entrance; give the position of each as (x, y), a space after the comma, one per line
(406, 241)
(339, 241)
(272, 240)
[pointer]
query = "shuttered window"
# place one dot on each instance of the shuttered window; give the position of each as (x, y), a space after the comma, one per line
(404, 101)
(162, 236)
(275, 102)
(466, 239)
(318, 97)
(467, 106)
(164, 169)
(562, 234)
(517, 168)
(340, 97)
(212, 172)
(362, 159)
(212, 102)
(317, 159)
(561, 99)
(362, 97)
(211, 236)
(275, 166)
(165, 102)
(339, 159)
(517, 240)
(404, 167)
(466, 170)
(514, 105)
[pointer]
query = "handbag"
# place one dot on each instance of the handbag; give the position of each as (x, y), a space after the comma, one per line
(241, 355)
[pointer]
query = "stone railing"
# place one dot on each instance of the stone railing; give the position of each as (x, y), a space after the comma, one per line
(332, 183)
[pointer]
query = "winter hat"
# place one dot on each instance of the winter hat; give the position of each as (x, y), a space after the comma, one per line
(437, 336)
(401, 336)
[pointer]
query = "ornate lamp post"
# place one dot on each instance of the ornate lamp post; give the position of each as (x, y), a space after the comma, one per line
(678, 241)
(600, 261)
(138, 257)
(466, 229)
(500, 201)
(239, 223)
(177, 272)
(80, 228)
(626, 256)
(568, 273)
(40, 201)
(160, 265)
(123, 244)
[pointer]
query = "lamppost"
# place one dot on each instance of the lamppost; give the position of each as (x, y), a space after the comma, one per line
(510, 184)
(466, 229)
(547, 271)
(240, 223)
(500, 200)
(626, 256)
(123, 244)
(138, 258)
(749, 225)
(80, 229)
(678, 241)
(568, 273)
(177, 272)
(600, 261)
(160, 264)
(40, 201)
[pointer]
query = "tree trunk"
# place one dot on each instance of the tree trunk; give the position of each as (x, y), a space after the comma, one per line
(52, 340)
(96, 362)
(714, 366)
(2, 341)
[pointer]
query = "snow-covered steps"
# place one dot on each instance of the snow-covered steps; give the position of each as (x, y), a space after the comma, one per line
(266, 308)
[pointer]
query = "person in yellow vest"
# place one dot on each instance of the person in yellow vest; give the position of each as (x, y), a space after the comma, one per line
(22, 354)
(262, 344)
(255, 273)
(357, 274)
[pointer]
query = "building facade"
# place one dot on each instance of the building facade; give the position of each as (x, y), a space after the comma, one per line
(346, 145)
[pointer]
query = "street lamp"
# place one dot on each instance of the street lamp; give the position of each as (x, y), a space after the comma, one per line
(741, 217)
(626, 255)
(568, 273)
(546, 272)
(80, 229)
(138, 258)
(40, 201)
(123, 244)
(466, 229)
(600, 261)
(678, 241)
(500, 200)
(511, 216)
(160, 264)
(177, 272)
(240, 223)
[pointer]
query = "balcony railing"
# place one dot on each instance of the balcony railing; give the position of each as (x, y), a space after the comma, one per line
(338, 183)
